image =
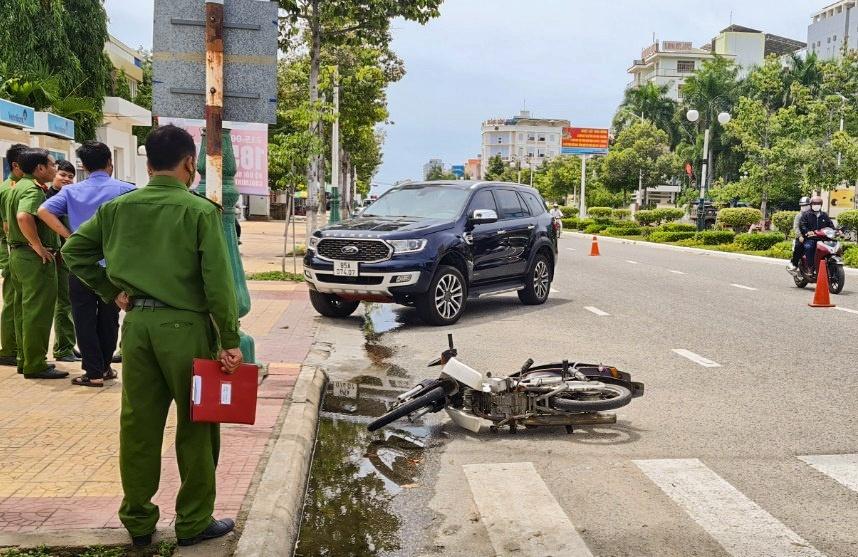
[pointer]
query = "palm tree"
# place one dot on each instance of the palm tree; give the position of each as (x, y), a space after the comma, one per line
(650, 102)
(41, 90)
(804, 71)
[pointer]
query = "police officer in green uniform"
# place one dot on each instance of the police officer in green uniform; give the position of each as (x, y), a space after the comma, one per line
(34, 273)
(64, 333)
(167, 267)
(8, 345)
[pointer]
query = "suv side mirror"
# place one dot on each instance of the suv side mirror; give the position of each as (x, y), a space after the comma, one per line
(484, 216)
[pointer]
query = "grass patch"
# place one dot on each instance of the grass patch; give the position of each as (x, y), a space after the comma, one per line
(276, 275)
(163, 549)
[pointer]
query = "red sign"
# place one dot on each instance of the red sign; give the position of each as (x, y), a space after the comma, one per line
(587, 141)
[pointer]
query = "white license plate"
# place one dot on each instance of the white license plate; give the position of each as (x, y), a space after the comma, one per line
(345, 389)
(346, 269)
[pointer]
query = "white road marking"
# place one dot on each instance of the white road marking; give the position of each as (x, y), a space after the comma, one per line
(632, 262)
(571, 249)
(696, 358)
(847, 310)
(555, 291)
(534, 525)
(841, 467)
(743, 287)
(597, 311)
(675, 272)
(742, 527)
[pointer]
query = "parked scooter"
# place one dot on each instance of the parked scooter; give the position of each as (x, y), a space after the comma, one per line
(564, 394)
(830, 249)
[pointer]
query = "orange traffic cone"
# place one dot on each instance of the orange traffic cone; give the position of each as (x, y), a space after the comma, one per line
(821, 298)
(594, 248)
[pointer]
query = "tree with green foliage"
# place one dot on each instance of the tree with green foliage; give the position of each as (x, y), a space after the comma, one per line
(438, 173)
(647, 102)
(640, 153)
(121, 88)
(495, 168)
(144, 93)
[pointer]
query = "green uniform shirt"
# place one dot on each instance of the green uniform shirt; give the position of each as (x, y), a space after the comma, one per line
(161, 242)
(27, 197)
(5, 187)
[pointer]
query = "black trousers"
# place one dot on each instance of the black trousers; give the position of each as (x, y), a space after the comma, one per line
(96, 325)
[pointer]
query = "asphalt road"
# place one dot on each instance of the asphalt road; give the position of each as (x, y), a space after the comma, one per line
(756, 456)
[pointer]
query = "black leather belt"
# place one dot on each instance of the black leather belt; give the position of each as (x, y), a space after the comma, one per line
(150, 303)
(52, 251)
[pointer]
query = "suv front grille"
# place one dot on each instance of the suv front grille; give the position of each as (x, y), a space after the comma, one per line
(353, 250)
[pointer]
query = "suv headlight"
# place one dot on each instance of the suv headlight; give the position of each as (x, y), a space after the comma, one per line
(313, 242)
(407, 246)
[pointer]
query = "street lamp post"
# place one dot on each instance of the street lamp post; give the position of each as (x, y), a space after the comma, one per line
(723, 119)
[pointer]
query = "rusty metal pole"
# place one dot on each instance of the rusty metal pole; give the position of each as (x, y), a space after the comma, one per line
(214, 100)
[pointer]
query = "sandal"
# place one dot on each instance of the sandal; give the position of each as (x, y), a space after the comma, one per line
(110, 374)
(84, 381)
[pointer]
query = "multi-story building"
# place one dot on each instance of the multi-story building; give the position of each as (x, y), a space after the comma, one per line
(432, 165)
(473, 169)
(125, 60)
(521, 139)
(669, 63)
(749, 48)
(832, 28)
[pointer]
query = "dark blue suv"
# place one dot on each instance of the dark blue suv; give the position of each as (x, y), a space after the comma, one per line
(434, 245)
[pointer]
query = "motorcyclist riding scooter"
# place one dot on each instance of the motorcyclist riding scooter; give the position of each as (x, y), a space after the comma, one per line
(557, 215)
(798, 243)
(810, 222)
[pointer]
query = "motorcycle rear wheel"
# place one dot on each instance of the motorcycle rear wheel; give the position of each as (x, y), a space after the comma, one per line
(799, 279)
(411, 406)
(618, 396)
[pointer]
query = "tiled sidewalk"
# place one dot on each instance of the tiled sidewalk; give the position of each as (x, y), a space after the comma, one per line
(59, 444)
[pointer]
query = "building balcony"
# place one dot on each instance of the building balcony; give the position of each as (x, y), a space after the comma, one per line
(119, 111)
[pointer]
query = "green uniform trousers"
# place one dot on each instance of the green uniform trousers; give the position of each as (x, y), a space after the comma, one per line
(8, 346)
(35, 285)
(64, 339)
(158, 348)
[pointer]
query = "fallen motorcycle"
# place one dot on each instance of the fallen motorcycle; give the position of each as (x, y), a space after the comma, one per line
(565, 394)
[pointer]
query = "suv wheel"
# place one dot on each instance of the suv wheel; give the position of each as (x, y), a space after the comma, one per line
(537, 283)
(330, 305)
(444, 303)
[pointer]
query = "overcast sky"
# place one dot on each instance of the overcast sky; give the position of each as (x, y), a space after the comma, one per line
(487, 58)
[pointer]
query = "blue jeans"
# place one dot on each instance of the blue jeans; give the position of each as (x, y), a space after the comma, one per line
(810, 253)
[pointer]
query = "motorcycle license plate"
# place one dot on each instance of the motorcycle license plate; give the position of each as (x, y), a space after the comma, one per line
(346, 269)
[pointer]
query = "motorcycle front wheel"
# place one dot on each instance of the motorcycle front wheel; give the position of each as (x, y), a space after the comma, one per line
(414, 405)
(799, 279)
(836, 279)
(610, 397)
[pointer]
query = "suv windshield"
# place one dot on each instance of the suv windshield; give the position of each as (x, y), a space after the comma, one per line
(422, 202)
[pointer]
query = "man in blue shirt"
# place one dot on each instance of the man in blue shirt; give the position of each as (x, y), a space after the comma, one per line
(96, 321)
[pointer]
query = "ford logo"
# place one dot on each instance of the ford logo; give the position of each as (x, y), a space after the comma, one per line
(350, 250)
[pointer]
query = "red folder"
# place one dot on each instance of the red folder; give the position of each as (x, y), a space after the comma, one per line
(223, 398)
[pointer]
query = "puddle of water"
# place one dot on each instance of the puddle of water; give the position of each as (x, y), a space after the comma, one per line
(354, 477)
(379, 319)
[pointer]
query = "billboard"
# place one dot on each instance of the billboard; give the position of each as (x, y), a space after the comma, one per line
(458, 170)
(584, 141)
(250, 145)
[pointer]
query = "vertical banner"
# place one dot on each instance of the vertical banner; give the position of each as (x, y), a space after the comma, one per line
(250, 144)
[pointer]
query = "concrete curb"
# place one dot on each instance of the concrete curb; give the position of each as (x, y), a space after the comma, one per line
(274, 516)
(704, 252)
(59, 539)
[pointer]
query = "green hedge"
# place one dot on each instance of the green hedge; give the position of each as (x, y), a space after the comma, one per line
(678, 227)
(848, 220)
(668, 214)
(570, 223)
(760, 241)
(600, 212)
(621, 214)
(850, 257)
(715, 237)
(739, 218)
(625, 224)
(661, 236)
(783, 221)
(781, 250)
(584, 223)
(569, 211)
(622, 231)
(646, 217)
(595, 228)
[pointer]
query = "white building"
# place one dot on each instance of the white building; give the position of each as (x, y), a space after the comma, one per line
(669, 63)
(521, 139)
(749, 48)
(833, 27)
(433, 164)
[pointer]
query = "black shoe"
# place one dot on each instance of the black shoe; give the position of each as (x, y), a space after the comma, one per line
(117, 358)
(216, 529)
(77, 353)
(49, 372)
(8, 361)
(70, 358)
(141, 541)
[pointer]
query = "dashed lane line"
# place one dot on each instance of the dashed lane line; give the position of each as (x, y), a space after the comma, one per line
(841, 467)
(847, 310)
(631, 262)
(741, 526)
(696, 358)
(597, 311)
(742, 286)
(535, 525)
(675, 272)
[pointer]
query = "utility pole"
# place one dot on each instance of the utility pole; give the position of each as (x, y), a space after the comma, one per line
(701, 211)
(214, 101)
(582, 203)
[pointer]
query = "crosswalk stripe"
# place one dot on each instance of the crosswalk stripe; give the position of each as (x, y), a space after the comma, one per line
(523, 519)
(741, 526)
(840, 467)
